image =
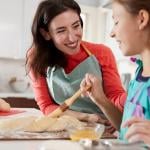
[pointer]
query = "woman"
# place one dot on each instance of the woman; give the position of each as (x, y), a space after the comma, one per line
(59, 59)
(132, 32)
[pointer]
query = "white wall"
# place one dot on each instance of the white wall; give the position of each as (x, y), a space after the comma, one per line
(95, 24)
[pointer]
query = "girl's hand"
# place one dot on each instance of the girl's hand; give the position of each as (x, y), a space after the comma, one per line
(138, 130)
(96, 92)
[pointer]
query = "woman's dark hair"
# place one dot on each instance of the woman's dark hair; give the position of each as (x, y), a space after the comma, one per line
(44, 53)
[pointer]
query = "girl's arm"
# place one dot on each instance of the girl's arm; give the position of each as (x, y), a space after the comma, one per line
(111, 82)
(98, 96)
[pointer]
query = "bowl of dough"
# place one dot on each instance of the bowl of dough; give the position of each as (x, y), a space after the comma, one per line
(18, 84)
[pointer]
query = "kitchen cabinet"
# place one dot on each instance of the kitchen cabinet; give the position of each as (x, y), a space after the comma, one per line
(11, 26)
(16, 20)
(15, 27)
(30, 7)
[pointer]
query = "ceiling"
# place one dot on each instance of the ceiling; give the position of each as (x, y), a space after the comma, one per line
(96, 3)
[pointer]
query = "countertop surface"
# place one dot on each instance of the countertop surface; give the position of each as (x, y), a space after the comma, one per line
(6, 144)
(40, 145)
(43, 144)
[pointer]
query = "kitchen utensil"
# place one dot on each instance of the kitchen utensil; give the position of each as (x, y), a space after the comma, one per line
(43, 123)
(68, 102)
(92, 131)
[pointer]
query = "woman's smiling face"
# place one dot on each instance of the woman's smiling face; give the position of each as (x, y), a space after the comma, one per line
(66, 32)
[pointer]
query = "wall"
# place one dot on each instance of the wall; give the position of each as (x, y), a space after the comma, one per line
(95, 23)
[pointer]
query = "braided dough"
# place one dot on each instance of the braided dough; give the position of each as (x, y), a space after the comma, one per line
(39, 124)
(13, 124)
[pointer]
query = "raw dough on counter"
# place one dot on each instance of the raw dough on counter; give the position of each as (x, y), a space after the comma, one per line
(14, 124)
(65, 122)
(39, 124)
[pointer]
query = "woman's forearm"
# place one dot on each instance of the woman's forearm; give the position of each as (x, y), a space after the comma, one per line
(78, 115)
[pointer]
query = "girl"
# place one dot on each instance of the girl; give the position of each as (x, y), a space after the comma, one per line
(132, 32)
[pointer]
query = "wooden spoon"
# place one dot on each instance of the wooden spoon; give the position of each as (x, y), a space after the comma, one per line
(41, 124)
(68, 102)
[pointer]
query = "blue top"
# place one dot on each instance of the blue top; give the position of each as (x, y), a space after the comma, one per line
(138, 99)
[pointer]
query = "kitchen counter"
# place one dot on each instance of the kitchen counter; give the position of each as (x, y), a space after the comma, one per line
(39, 145)
(35, 144)
(51, 144)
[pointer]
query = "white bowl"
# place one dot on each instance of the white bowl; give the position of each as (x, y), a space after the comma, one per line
(19, 85)
(92, 131)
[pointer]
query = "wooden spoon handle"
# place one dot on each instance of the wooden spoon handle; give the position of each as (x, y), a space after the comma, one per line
(68, 102)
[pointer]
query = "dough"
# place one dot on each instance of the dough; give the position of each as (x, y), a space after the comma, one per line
(46, 123)
(40, 124)
(14, 124)
(65, 122)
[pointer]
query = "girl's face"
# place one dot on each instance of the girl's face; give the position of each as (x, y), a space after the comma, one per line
(126, 30)
(66, 32)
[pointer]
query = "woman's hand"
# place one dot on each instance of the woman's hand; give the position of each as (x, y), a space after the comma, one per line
(138, 130)
(86, 117)
(95, 118)
(96, 92)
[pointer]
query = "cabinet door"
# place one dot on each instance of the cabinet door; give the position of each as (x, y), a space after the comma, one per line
(11, 26)
(30, 7)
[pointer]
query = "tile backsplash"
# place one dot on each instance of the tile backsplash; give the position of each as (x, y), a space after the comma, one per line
(11, 68)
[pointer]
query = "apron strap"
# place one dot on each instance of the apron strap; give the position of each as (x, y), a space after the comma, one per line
(84, 47)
